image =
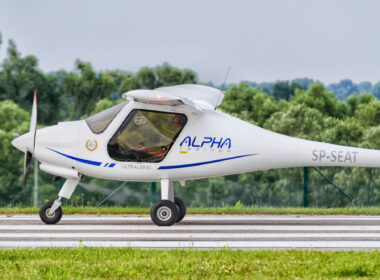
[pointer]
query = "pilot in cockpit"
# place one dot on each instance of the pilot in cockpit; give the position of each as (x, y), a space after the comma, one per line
(147, 137)
(177, 123)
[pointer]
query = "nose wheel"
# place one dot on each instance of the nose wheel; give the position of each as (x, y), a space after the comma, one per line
(48, 216)
(51, 212)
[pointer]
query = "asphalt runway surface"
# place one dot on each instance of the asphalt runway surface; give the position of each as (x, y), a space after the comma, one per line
(195, 231)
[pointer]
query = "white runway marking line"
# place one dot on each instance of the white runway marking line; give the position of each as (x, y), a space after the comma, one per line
(187, 235)
(188, 227)
(195, 244)
(196, 218)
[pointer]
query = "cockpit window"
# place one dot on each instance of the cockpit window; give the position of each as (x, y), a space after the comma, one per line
(100, 121)
(146, 136)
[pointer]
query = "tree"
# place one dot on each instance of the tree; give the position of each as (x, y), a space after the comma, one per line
(304, 83)
(83, 88)
(284, 89)
(376, 90)
(146, 78)
(13, 119)
(317, 97)
(347, 132)
(298, 121)
(368, 110)
(164, 75)
(249, 103)
(364, 87)
(129, 82)
(21, 77)
(2, 78)
(344, 89)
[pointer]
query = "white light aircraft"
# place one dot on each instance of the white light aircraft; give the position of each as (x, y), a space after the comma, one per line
(168, 134)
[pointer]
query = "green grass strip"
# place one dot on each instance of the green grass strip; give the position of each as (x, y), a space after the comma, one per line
(126, 263)
(239, 209)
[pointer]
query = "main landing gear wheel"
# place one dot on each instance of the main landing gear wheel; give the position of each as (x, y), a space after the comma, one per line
(164, 213)
(46, 217)
(181, 208)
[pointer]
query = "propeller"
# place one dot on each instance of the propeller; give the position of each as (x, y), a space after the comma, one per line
(29, 154)
(27, 163)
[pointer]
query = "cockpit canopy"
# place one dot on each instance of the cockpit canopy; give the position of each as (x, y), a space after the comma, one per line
(143, 136)
(146, 136)
(100, 121)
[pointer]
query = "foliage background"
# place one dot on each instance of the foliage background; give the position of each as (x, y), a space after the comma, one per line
(344, 113)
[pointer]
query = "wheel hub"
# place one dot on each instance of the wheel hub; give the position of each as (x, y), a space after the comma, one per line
(164, 213)
(49, 215)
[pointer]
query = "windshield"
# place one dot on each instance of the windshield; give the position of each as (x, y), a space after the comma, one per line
(100, 121)
(146, 136)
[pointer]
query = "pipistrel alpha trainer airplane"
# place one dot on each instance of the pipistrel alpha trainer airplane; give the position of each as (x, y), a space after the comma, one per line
(168, 134)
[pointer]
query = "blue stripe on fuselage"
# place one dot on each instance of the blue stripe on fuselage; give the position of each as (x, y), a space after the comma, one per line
(96, 163)
(202, 163)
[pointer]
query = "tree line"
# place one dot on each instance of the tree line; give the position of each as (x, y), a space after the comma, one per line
(301, 108)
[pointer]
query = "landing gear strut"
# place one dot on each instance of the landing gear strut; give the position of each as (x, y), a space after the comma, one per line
(51, 212)
(48, 216)
(169, 210)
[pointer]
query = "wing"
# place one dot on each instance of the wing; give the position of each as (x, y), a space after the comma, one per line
(197, 96)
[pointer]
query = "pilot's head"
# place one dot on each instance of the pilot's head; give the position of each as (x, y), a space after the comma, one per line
(179, 121)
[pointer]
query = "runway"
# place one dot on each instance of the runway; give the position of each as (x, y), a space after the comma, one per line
(195, 231)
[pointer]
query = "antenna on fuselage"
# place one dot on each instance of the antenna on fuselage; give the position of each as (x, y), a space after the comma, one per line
(223, 85)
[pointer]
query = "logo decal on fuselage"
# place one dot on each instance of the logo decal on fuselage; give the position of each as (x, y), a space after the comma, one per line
(91, 145)
(206, 143)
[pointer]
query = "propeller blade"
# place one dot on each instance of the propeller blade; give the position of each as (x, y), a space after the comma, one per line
(29, 152)
(33, 119)
(27, 164)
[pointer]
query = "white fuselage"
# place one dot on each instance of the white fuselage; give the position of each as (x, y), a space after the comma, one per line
(211, 143)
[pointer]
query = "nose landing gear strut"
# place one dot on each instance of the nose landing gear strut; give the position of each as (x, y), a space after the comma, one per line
(51, 212)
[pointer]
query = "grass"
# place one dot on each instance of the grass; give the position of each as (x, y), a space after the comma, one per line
(237, 209)
(127, 263)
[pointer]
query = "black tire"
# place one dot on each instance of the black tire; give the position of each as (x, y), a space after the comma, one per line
(181, 208)
(164, 213)
(55, 218)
